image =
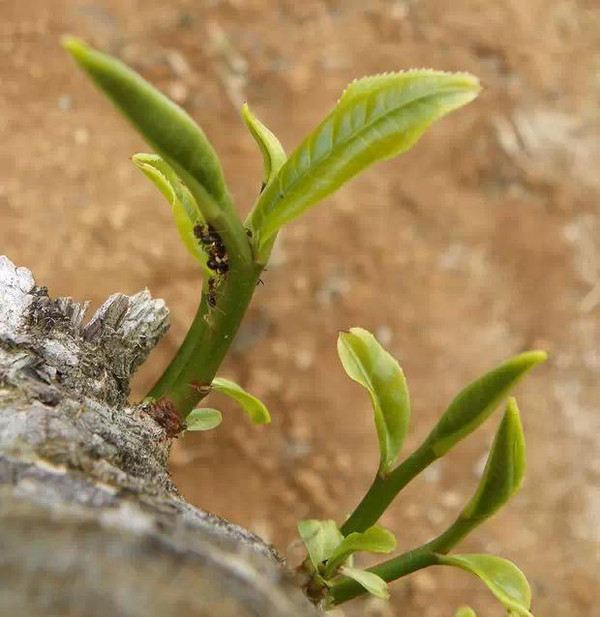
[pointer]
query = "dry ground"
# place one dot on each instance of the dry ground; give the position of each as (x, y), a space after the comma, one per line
(481, 242)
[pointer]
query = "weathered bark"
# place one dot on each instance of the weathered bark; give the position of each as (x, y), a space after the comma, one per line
(90, 522)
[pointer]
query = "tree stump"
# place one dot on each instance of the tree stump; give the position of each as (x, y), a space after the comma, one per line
(90, 523)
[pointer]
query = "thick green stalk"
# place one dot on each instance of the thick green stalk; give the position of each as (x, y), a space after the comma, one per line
(215, 330)
(242, 270)
(184, 351)
(384, 490)
(409, 562)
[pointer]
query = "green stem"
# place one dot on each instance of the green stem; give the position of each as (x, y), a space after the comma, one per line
(215, 329)
(409, 562)
(182, 355)
(385, 488)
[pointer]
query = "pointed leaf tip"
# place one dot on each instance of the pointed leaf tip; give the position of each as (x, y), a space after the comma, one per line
(184, 208)
(164, 124)
(255, 408)
(369, 364)
(373, 540)
(504, 469)
(465, 611)
(475, 403)
(375, 119)
(374, 584)
(502, 578)
(273, 153)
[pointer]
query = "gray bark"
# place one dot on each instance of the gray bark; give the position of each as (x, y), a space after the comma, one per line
(90, 522)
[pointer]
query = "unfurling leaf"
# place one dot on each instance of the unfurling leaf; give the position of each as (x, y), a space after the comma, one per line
(373, 540)
(477, 401)
(273, 153)
(377, 118)
(504, 470)
(320, 538)
(501, 576)
(185, 210)
(203, 419)
(166, 127)
(255, 408)
(366, 362)
(374, 584)
(465, 611)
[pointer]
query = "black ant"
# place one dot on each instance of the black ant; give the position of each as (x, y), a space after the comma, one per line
(218, 260)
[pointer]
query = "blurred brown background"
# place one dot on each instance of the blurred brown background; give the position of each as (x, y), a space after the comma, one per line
(481, 242)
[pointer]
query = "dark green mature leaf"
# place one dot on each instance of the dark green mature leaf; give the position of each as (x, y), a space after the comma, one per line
(203, 419)
(166, 127)
(377, 118)
(367, 363)
(255, 408)
(501, 576)
(185, 210)
(273, 153)
(504, 470)
(477, 401)
(373, 540)
(320, 538)
(374, 584)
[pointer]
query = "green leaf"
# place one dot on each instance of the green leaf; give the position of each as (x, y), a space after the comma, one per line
(465, 611)
(273, 153)
(504, 470)
(373, 540)
(374, 584)
(184, 208)
(257, 411)
(166, 127)
(366, 362)
(477, 401)
(376, 118)
(501, 576)
(321, 538)
(203, 419)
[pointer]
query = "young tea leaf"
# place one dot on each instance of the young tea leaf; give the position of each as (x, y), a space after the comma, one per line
(184, 208)
(203, 419)
(273, 153)
(257, 411)
(477, 401)
(366, 362)
(373, 540)
(166, 127)
(377, 118)
(465, 611)
(320, 538)
(501, 576)
(374, 584)
(504, 469)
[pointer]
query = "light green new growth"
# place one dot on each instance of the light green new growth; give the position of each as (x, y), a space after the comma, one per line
(273, 153)
(373, 540)
(469, 409)
(477, 401)
(374, 584)
(255, 408)
(501, 576)
(186, 213)
(203, 419)
(465, 611)
(366, 362)
(504, 470)
(376, 118)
